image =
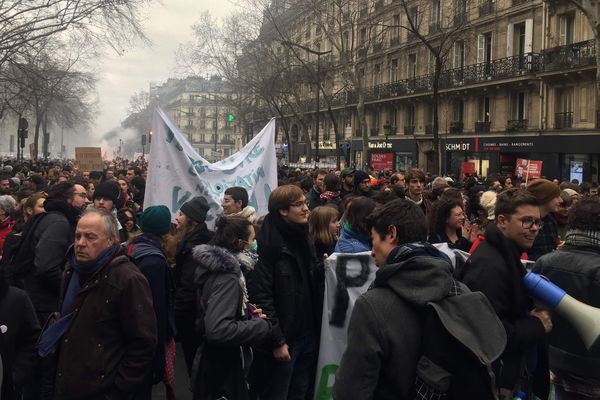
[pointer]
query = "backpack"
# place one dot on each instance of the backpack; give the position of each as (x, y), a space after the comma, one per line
(18, 257)
(461, 338)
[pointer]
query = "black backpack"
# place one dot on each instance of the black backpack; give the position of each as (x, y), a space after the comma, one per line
(19, 254)
(457, 351)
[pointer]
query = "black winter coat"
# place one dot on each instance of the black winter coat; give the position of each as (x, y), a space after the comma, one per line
(17, 343)
(577, 271)
(286, 282)
(52, 238)
(496, 270)
(225, 329)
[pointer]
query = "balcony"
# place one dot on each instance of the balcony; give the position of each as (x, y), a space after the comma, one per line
(518, 2)
(374, 131)
(456, 127)
(460, 19)
(563, 120)
(394, 40)
(569, 56)
(434, 28)
(516, 125)
(377, 46)
(482, 126)
(409, 129)
(486, 8)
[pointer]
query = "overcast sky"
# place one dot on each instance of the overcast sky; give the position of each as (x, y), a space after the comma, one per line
(167, 25)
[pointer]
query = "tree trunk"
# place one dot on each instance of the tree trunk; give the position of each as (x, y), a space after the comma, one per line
(436, 125)
(362, 124)
(338, 151)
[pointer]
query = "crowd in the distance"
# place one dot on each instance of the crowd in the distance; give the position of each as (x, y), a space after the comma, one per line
(105, 287)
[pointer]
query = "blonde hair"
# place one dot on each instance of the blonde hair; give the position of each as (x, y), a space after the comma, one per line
(318, 223)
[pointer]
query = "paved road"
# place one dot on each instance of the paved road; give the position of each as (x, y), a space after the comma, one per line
(182, 390)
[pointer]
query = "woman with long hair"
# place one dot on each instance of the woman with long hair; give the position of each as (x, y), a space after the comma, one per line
(355, 236)
(448, 224)
(324, 227)
(191, 232)
(228, 324)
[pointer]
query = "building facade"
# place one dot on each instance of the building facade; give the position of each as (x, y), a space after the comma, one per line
(518, 81)
(203, 109)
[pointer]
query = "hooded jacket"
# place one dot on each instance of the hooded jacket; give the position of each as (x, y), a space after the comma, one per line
(386, 327)
(221, 362)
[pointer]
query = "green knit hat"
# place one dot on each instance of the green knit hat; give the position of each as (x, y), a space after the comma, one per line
(156, 220)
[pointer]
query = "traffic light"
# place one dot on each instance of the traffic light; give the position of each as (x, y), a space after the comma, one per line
(230, 117)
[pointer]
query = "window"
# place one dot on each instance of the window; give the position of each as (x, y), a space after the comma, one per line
(395, 36)
(363, 36)
(517, 107)
(202, 124)
(346, 41)
(459, 54)
(410, 115)
(484, 48)
(394, 70)
(458, 110)
(519, 38)
(483, 109)
(412, 65)
(436, 12)
(565, 26)
(376, 74)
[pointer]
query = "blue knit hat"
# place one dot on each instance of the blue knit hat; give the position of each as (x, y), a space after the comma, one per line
(156, 220)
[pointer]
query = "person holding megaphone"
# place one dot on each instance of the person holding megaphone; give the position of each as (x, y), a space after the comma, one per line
(495, 269)
(575, 268)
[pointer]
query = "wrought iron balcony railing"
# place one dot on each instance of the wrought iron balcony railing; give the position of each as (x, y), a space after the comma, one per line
(518, 2)
(482, 126)
(563, 120)
(569, 56)
(456, 127)
(409, 129)
(516, 125)
(374, 131)
(486, 8)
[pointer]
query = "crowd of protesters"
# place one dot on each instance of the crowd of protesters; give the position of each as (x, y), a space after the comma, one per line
(96, 289)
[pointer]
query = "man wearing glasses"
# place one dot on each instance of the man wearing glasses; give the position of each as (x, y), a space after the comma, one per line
(496, 270)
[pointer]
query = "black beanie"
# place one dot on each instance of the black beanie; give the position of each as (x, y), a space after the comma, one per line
(360, 176)
(196, 209)
(108, 190)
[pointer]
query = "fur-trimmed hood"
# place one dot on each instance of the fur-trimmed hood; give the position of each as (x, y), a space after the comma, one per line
(215, 259)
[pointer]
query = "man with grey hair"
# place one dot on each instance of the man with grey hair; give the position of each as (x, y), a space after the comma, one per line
(104, 337)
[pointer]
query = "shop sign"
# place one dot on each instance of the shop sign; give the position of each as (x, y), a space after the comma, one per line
(382, 161)
(528, 169)
(379, 145)
(458, 146)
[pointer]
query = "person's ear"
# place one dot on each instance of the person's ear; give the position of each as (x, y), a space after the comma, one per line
(502, 221)
(392, 235)
(284, 212)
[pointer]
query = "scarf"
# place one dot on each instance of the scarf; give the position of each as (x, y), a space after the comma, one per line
(328, 195)
(51, 336)
(583, 238)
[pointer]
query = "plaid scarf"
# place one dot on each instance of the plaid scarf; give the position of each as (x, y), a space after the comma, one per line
(328, 195)
(581, 238)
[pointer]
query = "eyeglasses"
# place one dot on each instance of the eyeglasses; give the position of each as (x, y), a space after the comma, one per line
(300, 203)
(528, 222)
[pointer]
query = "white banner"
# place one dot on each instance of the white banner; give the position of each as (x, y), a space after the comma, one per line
(347, 276)
(176, 173)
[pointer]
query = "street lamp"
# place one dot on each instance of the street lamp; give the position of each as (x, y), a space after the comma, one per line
(318, 82)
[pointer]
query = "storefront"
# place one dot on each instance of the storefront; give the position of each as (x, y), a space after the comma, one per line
(390, 154)
(564, 157)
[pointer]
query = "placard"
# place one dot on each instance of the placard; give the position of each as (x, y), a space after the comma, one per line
(382, 161)
(89, 158)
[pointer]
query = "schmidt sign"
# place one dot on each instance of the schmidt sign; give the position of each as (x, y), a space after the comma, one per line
(458, 146)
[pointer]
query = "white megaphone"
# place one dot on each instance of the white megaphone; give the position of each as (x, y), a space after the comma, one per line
(585, 319)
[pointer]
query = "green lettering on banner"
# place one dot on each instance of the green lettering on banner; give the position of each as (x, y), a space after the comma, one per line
(177, 203)
(325, 390)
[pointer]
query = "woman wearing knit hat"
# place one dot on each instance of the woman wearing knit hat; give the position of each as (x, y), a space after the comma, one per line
(191, 232)
(147, 253)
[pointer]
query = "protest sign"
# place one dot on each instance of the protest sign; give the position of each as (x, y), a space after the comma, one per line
(347, 276)
(177, 173)
(89, 158)
(528, 169)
